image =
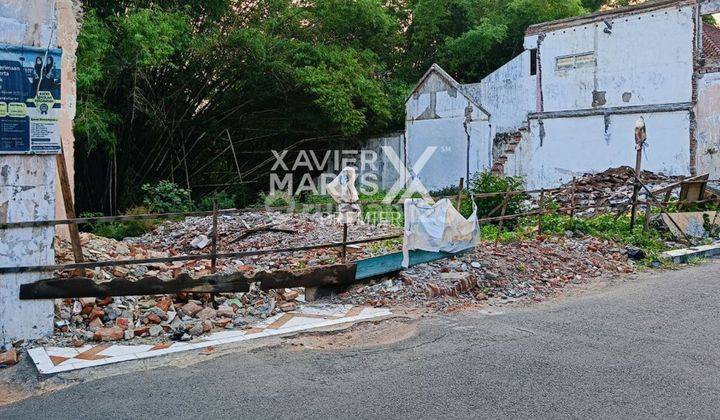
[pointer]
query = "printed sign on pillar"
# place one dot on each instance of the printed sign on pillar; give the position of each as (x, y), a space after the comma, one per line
(29, 100)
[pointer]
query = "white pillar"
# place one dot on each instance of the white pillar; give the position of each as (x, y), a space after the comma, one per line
(27, 191)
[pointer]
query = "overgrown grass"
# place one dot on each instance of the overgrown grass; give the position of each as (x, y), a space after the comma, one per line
(120, 230)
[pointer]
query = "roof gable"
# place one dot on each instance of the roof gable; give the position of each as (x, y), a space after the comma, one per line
(436, 69)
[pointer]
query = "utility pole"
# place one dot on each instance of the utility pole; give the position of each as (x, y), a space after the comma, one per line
(640, 137)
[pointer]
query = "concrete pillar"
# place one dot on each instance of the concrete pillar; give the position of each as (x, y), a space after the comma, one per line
(27, 187)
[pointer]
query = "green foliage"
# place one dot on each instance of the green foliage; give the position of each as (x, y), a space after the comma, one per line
(94, 125)
(166, 197)
(471, 38)
(486, 182)
(276, 199)
(163, 85)
(607, 226)
(222, 198)
(120, 230)
(150, 38)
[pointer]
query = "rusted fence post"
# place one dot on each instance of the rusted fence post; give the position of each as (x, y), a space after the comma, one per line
(460, 193)
(541, 206)
(344, 244)
(572, 198)
(213, 260)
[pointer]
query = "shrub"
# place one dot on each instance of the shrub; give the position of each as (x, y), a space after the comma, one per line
(488, 183)
(166, 197)
(120, 230)
(276, 199)
(223, 199)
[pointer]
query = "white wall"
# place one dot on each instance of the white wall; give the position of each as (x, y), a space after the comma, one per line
(509, 93)
(435, 114)
(573, 146)
(648, 56)
(27, 192)
(708, 125)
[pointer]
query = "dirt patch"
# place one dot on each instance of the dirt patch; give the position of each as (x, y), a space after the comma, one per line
(12, 393)
(371, 334)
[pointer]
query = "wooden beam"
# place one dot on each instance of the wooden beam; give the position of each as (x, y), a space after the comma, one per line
(333, 275)
(69, 206)
(60, 288)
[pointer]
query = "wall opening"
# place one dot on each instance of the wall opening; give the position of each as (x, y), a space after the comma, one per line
(533, 61)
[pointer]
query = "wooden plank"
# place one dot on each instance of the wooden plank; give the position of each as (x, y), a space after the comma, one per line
(333, 275)
(69, 206)
(76, 287)
(58, 288)
(690, 224)
(693, 191)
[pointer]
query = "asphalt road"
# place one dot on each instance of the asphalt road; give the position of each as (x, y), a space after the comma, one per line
(645, 348)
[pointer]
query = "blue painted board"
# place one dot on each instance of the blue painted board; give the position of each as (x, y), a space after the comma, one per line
(392, 263)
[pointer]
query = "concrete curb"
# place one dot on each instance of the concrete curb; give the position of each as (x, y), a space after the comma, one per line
(681, 256)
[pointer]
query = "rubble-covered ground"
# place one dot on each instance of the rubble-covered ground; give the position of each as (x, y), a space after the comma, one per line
(185, 316)
(499, 273)
(610, 189)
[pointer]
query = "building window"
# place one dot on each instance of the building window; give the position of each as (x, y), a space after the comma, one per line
(533, 62)
(575, 61)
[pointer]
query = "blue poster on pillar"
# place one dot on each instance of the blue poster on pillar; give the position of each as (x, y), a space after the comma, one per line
(29, 100)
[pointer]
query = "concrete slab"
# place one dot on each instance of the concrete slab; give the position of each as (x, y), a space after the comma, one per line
(682, 256)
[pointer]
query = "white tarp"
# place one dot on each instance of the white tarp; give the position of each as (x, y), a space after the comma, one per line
(342, 190)
(437, 227)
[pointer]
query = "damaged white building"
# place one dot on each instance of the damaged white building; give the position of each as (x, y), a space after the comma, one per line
(568, 104)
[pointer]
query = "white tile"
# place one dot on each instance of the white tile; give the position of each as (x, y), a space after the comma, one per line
(121, 350)
(120, 353)
(65, 351)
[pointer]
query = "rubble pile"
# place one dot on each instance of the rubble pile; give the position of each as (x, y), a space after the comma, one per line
(236, 233)
(186, 316)
(159, 318)
(613, 187)
(502, 273)
(528, 270)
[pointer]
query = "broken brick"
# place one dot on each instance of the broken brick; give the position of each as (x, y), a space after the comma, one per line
(109, 334)
(9, 358)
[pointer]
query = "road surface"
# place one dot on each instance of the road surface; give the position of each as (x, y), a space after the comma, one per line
(641, 348)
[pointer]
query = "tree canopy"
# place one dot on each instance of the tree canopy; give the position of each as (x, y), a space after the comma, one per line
(200, 91)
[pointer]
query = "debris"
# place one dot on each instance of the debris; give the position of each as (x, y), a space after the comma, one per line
(693, 224)
(530, 269)
(109, 334)
(9, 358)
(635, 253)
(191, 308)
(200, 242)
(613, 187)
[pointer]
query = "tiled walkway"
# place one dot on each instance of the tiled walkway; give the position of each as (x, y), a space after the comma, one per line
(61, 359)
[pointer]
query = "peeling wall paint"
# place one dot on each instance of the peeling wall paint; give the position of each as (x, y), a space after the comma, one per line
(382, 171)
(27, 183)
(648, 56)
(68, 27)
(708, 125)
(574, 146)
